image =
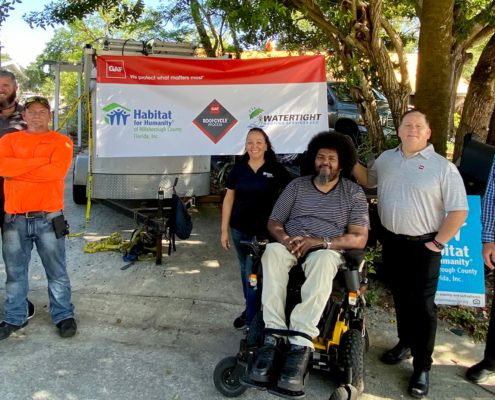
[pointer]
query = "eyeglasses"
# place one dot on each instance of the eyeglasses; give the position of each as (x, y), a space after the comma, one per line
(37, 99)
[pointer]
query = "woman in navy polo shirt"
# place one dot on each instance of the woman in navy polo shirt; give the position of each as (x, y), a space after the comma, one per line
(253, 186)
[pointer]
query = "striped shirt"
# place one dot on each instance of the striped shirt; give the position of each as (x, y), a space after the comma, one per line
(306, 211)
(488, 210)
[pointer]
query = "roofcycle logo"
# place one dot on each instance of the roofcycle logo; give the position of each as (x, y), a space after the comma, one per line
(215, 121)
(115, 69)
(116, 114)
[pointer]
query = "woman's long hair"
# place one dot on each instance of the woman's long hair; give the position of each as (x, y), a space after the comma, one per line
(269, 153)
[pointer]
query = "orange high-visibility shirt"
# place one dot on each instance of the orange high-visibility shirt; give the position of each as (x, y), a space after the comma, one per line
(34, 166)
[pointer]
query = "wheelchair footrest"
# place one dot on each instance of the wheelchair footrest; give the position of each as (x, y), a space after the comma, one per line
(272, 388)
(287, 394)
(245, 381)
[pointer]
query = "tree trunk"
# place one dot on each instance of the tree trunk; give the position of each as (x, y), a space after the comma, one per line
(203, 35)
(490, 139)
(480, 98)
(434, 76)
(397, 92)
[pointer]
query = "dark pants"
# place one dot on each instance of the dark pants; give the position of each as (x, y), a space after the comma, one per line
(413, 272)
(251, 295)
(490, 337)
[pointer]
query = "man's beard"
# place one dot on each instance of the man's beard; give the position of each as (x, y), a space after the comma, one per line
(325, 176)
(9, 101)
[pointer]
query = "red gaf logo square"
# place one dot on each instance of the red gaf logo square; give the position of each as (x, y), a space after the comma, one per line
(115, 69)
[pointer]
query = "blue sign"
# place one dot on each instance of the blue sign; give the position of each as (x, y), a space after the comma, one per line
(462, 274)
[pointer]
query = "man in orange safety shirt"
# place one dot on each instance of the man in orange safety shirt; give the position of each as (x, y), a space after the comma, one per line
(34, 163)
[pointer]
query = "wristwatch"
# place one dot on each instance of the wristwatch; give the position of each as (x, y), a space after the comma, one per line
(438, 245)
(327, 242)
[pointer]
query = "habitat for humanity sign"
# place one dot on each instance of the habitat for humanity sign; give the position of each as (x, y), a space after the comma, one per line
(151, 106)
(462, 278)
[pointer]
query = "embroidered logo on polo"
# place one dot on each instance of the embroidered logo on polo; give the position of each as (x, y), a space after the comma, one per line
(215, 121)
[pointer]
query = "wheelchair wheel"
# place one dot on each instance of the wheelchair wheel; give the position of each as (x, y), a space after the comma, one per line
(366, 340)
(351, 351)
(226, 378)
(344, 392)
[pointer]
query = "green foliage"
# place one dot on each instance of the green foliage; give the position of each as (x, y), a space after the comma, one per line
(366, 151)
(63, 12)
(473, 320)
(6, 6)
(371, 297)
(372, 255)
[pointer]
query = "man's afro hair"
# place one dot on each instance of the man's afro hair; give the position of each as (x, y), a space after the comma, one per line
(342, 144)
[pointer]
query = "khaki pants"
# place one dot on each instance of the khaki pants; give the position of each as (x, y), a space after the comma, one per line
(320, 268)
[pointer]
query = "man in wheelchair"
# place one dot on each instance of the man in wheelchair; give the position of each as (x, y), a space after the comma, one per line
(316, 217)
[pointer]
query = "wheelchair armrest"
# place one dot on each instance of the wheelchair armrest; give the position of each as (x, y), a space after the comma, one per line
(256, 246)
(351, 278)
(354, 258)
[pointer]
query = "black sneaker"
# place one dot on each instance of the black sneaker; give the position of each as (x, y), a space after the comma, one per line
(6, 329)
(240, 321)
(263, 366)
(67, 328)
(294, 368)
(31, 311)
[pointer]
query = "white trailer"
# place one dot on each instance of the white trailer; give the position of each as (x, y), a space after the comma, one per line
(134, 178)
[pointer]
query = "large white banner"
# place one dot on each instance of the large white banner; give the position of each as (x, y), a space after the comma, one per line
(149, 106)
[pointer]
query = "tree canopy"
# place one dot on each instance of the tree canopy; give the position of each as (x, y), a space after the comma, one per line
(365, 42)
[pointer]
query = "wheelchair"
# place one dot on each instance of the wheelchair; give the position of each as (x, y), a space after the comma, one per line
(339, 347)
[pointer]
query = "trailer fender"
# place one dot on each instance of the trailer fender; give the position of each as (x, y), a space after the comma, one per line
(80, 179)
(81, 164)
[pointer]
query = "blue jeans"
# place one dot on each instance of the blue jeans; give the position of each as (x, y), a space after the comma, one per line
(19, 234)
(252, 295)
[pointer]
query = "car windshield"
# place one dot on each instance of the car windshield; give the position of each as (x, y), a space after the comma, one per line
(341, 90)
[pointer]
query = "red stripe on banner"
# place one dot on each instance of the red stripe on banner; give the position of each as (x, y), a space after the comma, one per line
(144, 70)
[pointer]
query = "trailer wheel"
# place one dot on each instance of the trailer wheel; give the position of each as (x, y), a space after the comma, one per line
(79, 194)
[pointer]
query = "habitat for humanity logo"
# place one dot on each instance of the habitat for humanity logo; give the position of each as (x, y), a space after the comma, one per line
(116, 114)
(259, 119)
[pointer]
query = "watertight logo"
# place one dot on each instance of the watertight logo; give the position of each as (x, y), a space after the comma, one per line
(256, 117)
(259, 119)
(115, 69)
(116, 114)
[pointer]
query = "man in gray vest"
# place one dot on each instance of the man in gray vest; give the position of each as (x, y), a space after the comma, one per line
(422, 204)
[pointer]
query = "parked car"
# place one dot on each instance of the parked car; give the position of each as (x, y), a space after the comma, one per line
(344, 116)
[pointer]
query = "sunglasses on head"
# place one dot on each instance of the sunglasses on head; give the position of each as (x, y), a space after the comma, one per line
(37, 99)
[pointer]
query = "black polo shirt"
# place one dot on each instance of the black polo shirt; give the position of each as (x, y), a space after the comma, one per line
(255, 195)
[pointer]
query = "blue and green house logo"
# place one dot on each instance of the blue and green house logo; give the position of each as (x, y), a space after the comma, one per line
(116, 114)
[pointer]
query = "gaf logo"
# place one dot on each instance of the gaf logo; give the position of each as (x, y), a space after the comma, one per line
(115, 69)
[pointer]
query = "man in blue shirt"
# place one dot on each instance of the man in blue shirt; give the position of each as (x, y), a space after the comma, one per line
(485, 368)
